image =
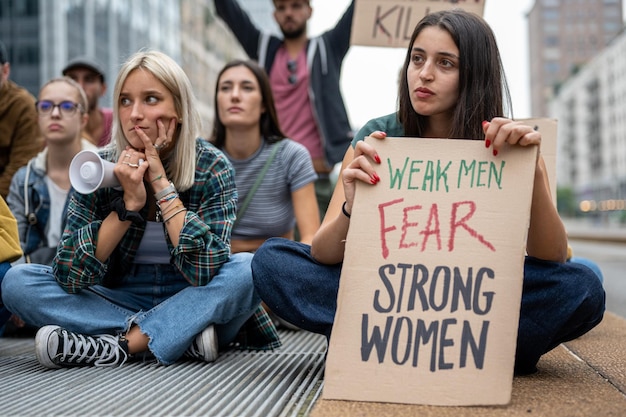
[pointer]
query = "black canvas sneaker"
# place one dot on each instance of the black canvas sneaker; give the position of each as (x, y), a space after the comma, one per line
(57, 347)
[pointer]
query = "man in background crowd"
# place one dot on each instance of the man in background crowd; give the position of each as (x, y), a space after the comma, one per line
(304, 75)
(89, 74)
(20, 138)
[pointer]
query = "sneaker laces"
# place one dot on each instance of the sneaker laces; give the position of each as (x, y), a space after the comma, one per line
(102, 350)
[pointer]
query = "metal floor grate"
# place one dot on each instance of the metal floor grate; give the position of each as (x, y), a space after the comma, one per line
(282, 383)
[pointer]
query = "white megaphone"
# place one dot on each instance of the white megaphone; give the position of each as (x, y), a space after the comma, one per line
(89, 172)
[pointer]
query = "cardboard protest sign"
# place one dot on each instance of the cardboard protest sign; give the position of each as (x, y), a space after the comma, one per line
(430, 290)
(390, 23)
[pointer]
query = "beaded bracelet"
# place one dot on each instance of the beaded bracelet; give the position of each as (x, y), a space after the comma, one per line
(172, 216)
(167, 190)
(166, 208)
(169, 197)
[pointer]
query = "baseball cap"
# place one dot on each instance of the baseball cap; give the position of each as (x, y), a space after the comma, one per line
(4, 57)
(84, 62)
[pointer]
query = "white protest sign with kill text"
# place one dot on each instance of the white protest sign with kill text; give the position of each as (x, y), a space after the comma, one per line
(390, 23)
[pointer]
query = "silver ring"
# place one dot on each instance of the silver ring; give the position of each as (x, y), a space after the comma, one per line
(161, 146)
(141, 161)
(131, 165)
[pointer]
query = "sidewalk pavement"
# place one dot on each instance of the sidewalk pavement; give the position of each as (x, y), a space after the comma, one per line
(582, 378)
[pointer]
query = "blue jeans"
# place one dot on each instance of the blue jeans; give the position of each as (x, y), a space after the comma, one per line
(589, 264)
(560, 301)
(156, 298)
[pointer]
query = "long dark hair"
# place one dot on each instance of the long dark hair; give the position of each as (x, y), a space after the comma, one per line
(268, 125)
(483, 90)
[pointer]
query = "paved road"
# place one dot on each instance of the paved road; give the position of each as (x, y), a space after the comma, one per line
(612, 260)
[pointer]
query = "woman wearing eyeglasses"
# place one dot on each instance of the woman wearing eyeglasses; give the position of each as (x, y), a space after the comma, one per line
(39, 191)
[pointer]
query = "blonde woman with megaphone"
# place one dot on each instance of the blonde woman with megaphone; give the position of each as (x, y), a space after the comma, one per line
(146, 269)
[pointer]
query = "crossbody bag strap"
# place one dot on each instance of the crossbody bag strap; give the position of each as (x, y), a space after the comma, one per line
(26, 193)
(257, 183)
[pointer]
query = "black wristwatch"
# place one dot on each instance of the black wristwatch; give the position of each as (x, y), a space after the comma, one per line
(123, 214)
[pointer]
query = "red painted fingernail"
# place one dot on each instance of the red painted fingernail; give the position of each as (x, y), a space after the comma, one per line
(495, 152)
(485, 123)
(376, 177)
(487, 143)
(377, 158)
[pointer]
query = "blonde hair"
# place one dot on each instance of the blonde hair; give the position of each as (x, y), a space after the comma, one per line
(181, 164)
(82, 97)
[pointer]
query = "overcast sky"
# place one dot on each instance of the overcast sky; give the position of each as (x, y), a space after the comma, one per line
(370, 75)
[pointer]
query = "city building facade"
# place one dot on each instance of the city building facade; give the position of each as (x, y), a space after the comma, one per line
(591, 111)
(563, 36)
(42, 36)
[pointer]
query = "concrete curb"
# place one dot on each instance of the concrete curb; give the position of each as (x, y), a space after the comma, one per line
(577, 230)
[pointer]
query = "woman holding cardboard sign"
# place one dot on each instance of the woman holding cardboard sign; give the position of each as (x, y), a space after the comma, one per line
(452, 86)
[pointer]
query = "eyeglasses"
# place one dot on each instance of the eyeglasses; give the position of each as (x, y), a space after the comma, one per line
(66, 108)
(292, 66)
